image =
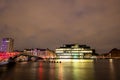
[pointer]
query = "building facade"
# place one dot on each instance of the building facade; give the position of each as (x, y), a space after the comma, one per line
(7, 45)
(74, 51)
(43, 53)
(114, 53)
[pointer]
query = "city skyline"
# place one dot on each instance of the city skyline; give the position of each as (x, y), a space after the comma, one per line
(50, 24)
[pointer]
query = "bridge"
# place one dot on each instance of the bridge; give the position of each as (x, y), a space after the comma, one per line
(17, 56)
(26, 57)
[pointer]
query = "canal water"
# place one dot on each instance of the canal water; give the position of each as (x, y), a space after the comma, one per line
(104, 69)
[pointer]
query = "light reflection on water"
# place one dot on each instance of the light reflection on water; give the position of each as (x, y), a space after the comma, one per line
(66, 71)
(112, 70)
(107, 69)
(90, 70)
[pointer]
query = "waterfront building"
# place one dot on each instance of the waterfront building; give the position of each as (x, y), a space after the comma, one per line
(43, 53)
(114, 53)
(7, 45)
(74, 51)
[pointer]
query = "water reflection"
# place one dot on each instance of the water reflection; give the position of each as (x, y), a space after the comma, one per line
(40, 71)
(112, 70)
(19, 71)
(83, 71)
(98, 70)
(6, 71)
(107, 69)
(66, 71)
(60, 72)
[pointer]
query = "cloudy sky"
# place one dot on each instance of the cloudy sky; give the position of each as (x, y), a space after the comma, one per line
(51, 23)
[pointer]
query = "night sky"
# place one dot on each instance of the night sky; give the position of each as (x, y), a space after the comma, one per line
(51, 23)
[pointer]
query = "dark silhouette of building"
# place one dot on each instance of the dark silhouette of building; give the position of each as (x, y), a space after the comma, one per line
(114, 53)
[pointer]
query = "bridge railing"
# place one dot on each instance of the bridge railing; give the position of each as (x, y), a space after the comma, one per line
(7, 55)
